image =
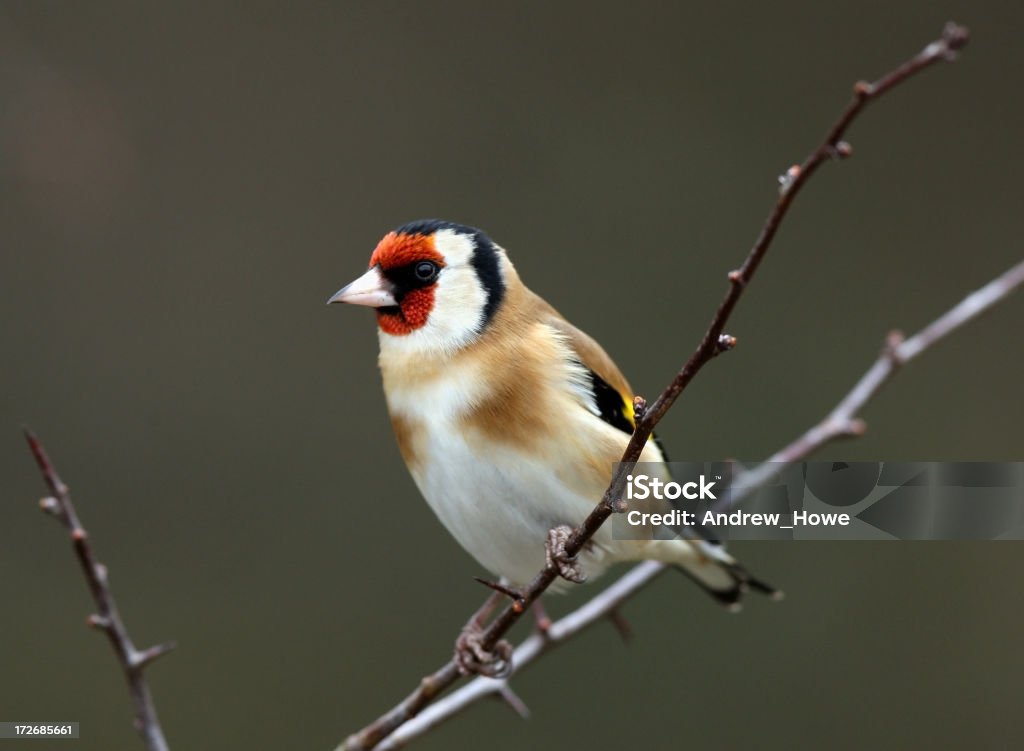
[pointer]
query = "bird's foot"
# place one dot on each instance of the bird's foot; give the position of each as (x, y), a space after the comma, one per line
(568, 566)
(474, 659)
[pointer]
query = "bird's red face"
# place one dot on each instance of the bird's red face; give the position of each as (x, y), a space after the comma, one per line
(401, 283)
(411, 261)
(434, 284)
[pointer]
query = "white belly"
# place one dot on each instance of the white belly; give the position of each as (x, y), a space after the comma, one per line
(499, 504)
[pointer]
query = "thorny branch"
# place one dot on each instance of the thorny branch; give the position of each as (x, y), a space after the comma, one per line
(841, 422)
(953, 39)
(601, 606)
(107, 618)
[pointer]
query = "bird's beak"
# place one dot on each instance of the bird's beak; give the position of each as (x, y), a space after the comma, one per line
(370, 289)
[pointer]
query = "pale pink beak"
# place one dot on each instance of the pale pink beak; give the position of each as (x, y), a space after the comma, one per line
(370, 289)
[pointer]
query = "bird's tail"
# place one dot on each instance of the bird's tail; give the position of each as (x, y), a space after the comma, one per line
(713, 570)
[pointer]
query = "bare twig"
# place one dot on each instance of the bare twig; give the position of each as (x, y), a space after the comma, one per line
(601, 606)
(841, 422)
(953, 38)
(107, 618)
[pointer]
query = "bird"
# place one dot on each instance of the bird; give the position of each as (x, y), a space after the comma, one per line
(508, 417)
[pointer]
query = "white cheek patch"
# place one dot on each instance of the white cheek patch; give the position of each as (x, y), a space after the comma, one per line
(458, 305)
(456, 249)
(459, 300)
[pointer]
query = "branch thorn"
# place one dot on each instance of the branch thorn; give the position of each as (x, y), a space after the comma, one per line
(841, 150)
(513, 594)
(622, 626)
(512, 700)
(50, 505)
(639, 408)
(786, 180)
(892, 346)
(98, 621)
(146, 656)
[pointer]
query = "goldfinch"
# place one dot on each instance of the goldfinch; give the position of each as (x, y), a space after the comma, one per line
(508, 417)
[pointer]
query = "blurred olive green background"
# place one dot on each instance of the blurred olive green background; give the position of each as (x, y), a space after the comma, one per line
(183, 185)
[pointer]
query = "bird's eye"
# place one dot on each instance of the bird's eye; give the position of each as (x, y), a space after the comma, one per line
(426, 271)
